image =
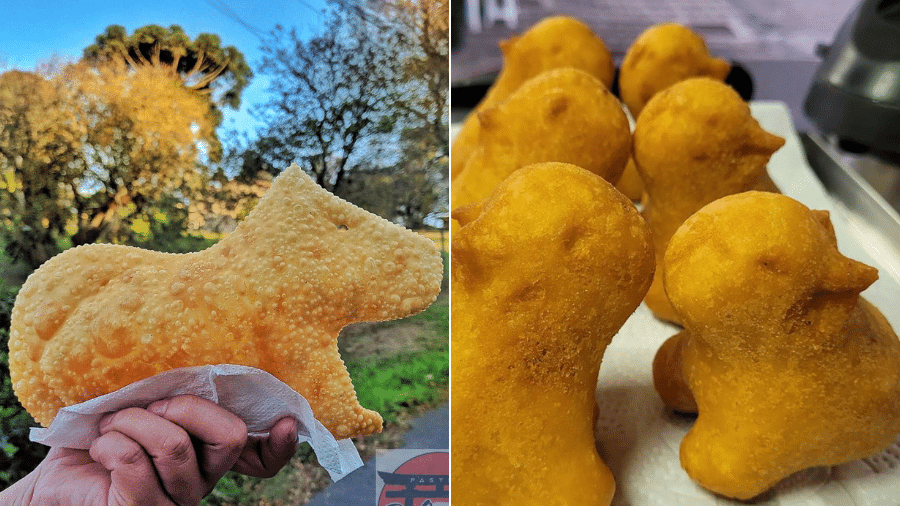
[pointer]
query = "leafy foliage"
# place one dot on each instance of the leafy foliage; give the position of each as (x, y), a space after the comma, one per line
(334, 94)
(94, 148)
(422, 33)
(363, 106)
(40, 146)
(202, 64)
(18, 455)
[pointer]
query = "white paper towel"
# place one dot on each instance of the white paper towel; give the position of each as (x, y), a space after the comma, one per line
(254, 395)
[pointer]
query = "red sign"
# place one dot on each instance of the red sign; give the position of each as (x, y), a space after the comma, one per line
(423, 480)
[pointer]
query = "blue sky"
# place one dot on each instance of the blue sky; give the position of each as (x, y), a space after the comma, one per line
(33, 31)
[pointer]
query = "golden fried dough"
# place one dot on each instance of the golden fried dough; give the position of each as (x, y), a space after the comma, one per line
(661, 56)
(787, 365)
(562, 115)
(695, 142)
(272, 295)
(630, 183)
(554, 42)
(544, 273)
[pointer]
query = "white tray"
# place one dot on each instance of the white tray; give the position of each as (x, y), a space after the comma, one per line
(639, 439)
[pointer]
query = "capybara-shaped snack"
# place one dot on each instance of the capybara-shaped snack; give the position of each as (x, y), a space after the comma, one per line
(564, 115)
(695, 142)
(785, 364)
(273, 295)
(544, 273)
(661, 56)
(554, 42)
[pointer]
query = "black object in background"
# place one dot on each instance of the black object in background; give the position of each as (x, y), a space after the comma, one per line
(855, 95)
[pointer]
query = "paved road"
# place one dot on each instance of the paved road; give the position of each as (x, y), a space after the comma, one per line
(431, 430)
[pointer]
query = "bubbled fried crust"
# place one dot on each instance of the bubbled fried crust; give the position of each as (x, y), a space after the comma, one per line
(274, 295)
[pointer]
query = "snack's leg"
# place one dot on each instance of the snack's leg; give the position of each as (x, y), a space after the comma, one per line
(323, 380)
(668, 375)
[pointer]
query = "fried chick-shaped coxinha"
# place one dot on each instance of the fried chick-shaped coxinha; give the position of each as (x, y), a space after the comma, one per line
(787, 366)
(273, 295)
(554, 42)
(695, 142)
(661, 56)
(563, 115)
(544, 273)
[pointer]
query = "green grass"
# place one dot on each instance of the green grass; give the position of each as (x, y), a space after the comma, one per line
(437, 315)
(392, 385)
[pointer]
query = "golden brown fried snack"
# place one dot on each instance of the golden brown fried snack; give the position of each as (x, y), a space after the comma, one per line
(554, 42)
(788, 366)
(695, 142)
(543, 275)
(562, 115)
(272, 295)
(661, 56)
(630, 183)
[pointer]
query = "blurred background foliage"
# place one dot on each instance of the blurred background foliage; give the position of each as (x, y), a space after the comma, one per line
(125, 146)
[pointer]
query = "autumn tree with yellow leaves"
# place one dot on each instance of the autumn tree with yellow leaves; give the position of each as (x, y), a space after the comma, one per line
(126, 133)
(40, 155)
(203, 65)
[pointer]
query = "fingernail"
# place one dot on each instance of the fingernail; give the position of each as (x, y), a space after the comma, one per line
(158, 408)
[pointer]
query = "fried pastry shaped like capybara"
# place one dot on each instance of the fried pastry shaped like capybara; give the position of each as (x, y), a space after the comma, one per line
(787, 366)
(695, 142)
(661, 56)
(564, 115)
(544, 273)
(273, 295)
(554, 42)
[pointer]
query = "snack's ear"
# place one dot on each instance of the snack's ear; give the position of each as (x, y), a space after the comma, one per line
(507, 45)
(466, 214)
(824, 219)
(762, 142)
(847, 276)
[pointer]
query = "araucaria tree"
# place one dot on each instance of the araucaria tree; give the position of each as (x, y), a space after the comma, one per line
(202, 65)
(87, 148)
(145, 134)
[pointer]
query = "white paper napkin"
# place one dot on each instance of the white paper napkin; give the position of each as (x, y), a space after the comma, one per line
(254, 395)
